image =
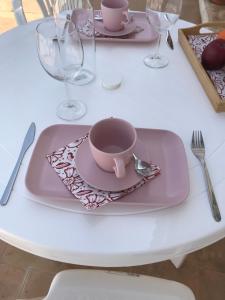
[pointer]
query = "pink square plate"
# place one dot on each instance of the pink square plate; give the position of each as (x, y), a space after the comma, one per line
(163, 148)
(143, 32)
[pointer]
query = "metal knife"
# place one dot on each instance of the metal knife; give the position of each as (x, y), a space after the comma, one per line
(28, 140)
(169, 40)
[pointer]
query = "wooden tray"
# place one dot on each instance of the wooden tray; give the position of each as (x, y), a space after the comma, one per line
(214, 97)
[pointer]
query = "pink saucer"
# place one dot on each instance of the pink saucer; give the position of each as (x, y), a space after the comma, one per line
(128, 28)
(99, 179)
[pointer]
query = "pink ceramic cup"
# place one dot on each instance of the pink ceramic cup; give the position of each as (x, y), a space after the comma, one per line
(115, 14)
(112, 144)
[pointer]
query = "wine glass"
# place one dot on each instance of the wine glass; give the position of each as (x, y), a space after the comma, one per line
(161, 14)
(81, 13)
(61, 55)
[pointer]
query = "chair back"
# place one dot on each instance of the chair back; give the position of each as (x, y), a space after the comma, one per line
(93, 284)
(18, 9)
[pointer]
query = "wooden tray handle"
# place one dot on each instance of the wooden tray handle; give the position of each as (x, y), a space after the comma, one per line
(210, 25)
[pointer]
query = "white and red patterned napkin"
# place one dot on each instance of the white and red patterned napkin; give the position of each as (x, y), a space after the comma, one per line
(198, 44)
(63, 162)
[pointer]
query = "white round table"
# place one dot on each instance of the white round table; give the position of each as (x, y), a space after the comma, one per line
(171, 98)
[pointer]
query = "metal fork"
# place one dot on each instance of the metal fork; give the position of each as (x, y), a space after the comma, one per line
(198, 149)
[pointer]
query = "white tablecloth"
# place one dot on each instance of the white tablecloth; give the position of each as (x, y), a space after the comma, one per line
(170, 98)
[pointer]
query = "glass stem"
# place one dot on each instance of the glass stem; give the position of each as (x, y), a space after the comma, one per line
(156, 55)
(67, 92)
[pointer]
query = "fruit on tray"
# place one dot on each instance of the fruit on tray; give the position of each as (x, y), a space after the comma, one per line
(219, 2)
(221, 35)
(213, 56)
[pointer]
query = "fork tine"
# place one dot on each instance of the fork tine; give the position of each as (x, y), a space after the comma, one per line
(196, 138)
(193, 139)
(201, 140)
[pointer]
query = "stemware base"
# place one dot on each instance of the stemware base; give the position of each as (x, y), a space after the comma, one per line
(71, 110)
(156, 61)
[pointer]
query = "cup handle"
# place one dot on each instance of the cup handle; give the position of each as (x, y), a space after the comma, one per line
(126, 18)
(119, 168)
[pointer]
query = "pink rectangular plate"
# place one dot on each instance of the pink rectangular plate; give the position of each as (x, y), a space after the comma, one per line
(162, 147)
(145, 36)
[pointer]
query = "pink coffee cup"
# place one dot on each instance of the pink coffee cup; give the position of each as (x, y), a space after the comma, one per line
(112, 143)
(115, 14)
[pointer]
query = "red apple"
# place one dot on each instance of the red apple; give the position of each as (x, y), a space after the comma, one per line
(213, 56)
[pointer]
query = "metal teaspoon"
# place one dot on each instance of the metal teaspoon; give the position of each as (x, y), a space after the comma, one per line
(142, 168)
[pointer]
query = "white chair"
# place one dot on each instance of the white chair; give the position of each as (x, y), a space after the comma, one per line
(17, 5)
(93, 285)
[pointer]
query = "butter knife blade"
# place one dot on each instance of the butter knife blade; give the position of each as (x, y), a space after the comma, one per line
(28, 140)
(169, 40)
